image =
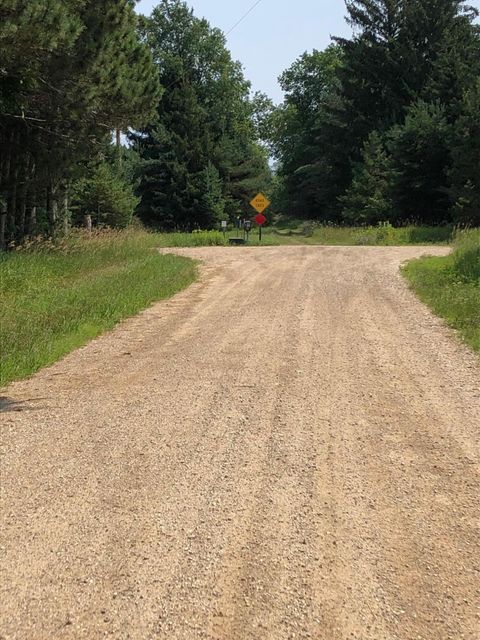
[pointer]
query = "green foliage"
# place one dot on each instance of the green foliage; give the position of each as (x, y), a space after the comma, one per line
(401, 78)
(465, 149)
(211, 199)
(199, 155)
(419, 150)
(451, 286)
(196, 239)
(382, 126)
(71, 72)
(466, 258)
(105, 197)
(69, 293)
(310, 158)
(300, 232)
(369, 199)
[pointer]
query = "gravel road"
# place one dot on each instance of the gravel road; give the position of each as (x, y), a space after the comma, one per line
(286, 450)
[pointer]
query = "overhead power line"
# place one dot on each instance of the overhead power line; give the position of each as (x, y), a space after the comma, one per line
(254, 6)
(245, 15)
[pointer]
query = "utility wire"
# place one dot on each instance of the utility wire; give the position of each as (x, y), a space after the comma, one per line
(243, 17)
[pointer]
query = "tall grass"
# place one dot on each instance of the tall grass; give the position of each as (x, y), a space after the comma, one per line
(54, 298)
(466, 259)
(451, 285)
(382, 235)
(311, 233)
(210, 239)
(197, 239)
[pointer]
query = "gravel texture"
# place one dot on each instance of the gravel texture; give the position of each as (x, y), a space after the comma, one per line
(286, 450)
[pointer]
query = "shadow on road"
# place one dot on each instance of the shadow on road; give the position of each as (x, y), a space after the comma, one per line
(9, 404)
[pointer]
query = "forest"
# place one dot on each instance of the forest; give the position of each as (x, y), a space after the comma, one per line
(107, 117)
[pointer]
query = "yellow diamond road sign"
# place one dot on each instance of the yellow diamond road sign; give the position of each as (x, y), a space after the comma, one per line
(260, 203)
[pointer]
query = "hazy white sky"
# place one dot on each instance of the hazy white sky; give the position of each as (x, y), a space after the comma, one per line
(274, 34)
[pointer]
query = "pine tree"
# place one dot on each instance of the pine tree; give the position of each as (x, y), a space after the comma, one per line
(456, 67)
(420, 155)
(465, 149)
(369, 198)
(393, 59)
(105, 198)
(85, 73)
(211, 208)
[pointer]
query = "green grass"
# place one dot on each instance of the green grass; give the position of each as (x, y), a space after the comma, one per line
(451, 285)
(56, 298)
(197, 239)
(209, 239)
(309, 233)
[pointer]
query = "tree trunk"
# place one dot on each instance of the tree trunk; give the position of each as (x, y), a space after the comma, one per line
(3, 225)
(118, 137)
(65, 213)
(7, 185)
(32, 219)
(22, 201)
(31, 214)
(12, 206)
(52, 208)
(88, 223)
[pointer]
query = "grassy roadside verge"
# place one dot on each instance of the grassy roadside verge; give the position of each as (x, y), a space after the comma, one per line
(54, 300)
(313, 234)
(450, 286)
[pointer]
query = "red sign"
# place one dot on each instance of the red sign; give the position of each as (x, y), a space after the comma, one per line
(260, 219)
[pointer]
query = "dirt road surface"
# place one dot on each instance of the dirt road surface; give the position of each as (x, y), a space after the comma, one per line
(287, 450)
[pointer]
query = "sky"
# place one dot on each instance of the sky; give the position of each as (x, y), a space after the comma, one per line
(273, 35)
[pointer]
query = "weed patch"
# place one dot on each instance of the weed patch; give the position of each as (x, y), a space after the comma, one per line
(451, 285)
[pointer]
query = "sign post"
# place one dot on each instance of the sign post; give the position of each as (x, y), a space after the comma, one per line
(247, 227)
(260, 203)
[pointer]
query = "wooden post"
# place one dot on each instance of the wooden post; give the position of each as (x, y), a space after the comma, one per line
(118, 136)
(3, 224)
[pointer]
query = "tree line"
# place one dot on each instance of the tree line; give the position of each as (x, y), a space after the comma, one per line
(71, 72)
(105, 114)
(384, 126)
(77, 77)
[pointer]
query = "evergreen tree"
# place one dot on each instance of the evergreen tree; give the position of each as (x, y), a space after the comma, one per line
(403, 53)
(211, 198)
(457, 65)
(465, 173)
(105, 198)
(85, 73)
(394, 56)
(369, 198)
(420, 156)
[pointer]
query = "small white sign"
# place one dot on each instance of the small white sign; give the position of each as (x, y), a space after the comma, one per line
(224, 224)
